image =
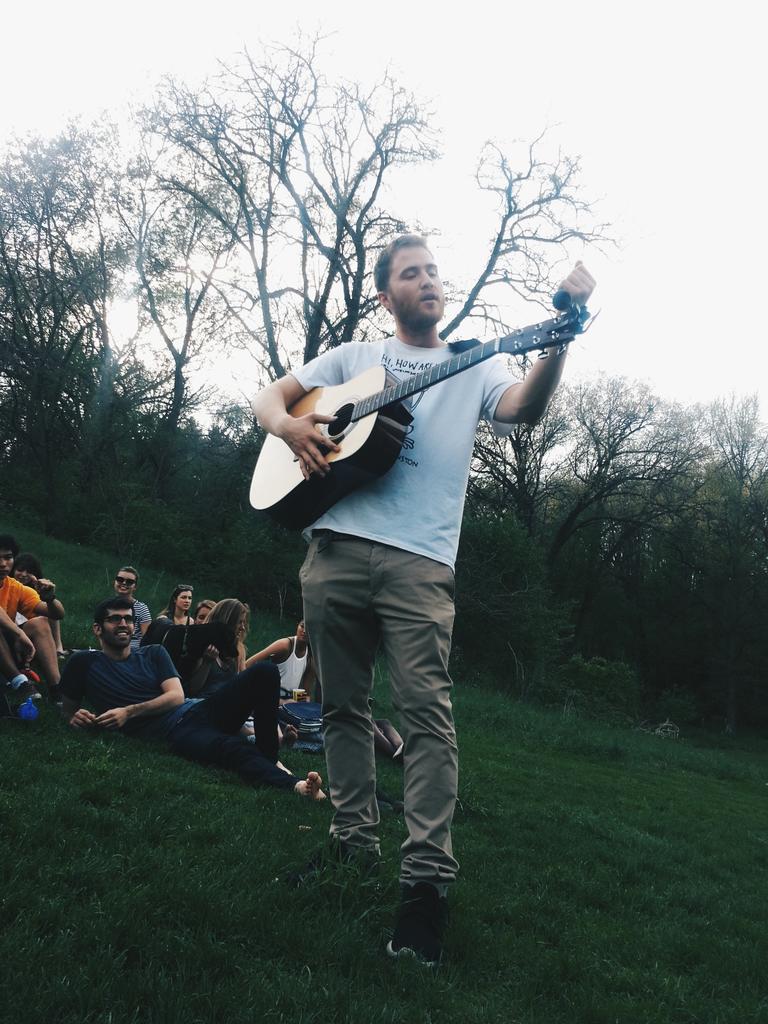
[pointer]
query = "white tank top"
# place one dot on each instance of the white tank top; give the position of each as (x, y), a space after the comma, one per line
(292, 669)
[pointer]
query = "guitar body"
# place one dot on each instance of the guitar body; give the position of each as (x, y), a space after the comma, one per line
(372, 436)
(369, 447)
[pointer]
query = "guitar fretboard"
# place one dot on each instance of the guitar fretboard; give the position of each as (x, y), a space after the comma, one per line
(515, 344)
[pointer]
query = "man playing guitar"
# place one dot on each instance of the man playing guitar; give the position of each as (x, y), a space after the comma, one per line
(379, 571)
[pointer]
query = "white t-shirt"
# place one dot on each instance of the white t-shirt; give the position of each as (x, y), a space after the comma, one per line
(418, 504)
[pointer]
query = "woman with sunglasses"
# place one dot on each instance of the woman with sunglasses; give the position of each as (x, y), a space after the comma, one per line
(126, 582)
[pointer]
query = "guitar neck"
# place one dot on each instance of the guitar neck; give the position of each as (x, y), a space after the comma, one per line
(538, 336)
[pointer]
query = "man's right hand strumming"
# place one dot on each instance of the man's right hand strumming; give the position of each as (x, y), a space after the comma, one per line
(307, 443)
(300, 433)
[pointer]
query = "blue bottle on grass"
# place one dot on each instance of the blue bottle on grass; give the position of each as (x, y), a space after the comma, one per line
(28, 711)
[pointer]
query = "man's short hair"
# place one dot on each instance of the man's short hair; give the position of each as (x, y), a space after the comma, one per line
(384, 261)
(8, 543)
(114, 603)
(129, 568)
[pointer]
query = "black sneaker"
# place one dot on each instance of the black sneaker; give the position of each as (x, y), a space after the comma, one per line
(420, 924)
(24, 690)
(336, 854)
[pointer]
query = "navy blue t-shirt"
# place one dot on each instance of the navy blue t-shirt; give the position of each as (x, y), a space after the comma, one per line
(106, 683)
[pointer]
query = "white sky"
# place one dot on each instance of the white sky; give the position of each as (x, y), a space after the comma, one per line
(663, 101)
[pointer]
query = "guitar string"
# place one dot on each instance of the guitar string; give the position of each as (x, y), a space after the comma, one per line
(465, 360)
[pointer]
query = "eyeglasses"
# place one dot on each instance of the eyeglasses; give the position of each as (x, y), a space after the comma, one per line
(115, 620)
(125, 581)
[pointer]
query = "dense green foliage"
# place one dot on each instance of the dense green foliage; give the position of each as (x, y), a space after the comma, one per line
(673, 597)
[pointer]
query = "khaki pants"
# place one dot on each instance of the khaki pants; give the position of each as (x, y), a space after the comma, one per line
(359, 594)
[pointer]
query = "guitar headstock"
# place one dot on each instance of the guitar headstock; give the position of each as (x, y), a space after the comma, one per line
(554, 333)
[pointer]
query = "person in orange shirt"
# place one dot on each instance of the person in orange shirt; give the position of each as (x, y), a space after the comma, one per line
(28, 570)
(38, 606)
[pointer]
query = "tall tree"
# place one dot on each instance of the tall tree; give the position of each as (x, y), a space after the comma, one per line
(627, 461)
(514, 473)
(291, 167)
(59, 263)
(732, 556)
(177, 249)
(539, 213)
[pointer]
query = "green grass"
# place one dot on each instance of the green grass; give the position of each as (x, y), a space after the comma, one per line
(607, 876)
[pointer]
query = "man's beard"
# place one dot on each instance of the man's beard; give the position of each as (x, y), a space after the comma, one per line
(418, 320)
(116, 644)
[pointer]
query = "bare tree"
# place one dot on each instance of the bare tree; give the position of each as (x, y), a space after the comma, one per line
(291, 167)
(539, 212)
(177, 250)
(513, 473)
(629, 459)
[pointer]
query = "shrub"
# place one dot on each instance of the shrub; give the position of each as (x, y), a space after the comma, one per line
(597, 688)
(506, 619)
(679, 705)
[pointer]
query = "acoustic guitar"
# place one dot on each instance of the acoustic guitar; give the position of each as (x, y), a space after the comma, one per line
(371, 422)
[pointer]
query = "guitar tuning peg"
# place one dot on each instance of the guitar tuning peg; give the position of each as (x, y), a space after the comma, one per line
(543, 353)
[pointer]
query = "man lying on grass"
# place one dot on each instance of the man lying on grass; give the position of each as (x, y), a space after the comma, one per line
(139, 693)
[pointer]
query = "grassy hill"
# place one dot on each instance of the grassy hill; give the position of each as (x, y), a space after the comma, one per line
(607, 876)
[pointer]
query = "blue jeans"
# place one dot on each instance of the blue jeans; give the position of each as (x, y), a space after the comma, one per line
(210, 732)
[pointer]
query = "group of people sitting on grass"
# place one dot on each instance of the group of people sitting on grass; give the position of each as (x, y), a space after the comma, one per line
(183, 677)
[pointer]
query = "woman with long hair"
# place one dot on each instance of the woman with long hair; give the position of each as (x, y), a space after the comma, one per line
(213, 669)
(179, 604)
(203, 610)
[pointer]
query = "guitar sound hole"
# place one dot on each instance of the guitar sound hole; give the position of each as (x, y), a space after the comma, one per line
(337, 427)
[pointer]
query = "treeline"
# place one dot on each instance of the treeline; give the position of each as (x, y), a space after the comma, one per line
(637, 540)
(614, 557)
